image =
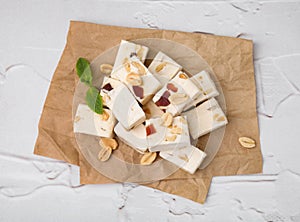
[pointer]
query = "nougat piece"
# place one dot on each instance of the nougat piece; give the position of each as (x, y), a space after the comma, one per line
(128, 50)
(161, 138)
(188, 158)
(136, 137)
(205, 85)
(122, 103)
(138, 79)
(205, 118)
(164, 68)
(88, 122)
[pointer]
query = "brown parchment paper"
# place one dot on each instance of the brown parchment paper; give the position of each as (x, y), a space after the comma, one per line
(232, 62)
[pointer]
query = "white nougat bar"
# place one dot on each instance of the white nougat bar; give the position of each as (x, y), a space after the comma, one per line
(206, 87)
(128, 50)
(88, 122)
(134, 71)
(122, 103)
(163, 67)
(205, 118)
(166, 138)
(188, 158)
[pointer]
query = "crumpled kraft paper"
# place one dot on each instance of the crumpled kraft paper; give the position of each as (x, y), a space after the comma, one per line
(232, 62)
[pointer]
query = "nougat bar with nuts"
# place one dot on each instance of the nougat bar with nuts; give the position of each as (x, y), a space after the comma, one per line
(205, 118)
(88, 122)
(164, 68)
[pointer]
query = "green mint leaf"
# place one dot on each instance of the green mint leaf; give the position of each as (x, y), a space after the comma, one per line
(94, 100)
(84, 72)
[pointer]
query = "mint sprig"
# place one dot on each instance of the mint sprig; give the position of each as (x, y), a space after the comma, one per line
(84, 71)
(93, 97)
(94, 100)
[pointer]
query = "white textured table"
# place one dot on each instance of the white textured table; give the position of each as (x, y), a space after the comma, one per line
(32, 38)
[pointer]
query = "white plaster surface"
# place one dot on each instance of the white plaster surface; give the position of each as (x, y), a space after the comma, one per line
(32, 38)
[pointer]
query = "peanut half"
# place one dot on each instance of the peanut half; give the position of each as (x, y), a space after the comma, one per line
(184, 157)
(106, 68)
(171, 138)
(140, 52)
(148, 158)
(178, 98)
(176, 130)
(221, 119)
(108, 143)
(77, 118)
(183, 76)
(127, 66)
(104, 116)
(160, 66)
(167, 119)
(104, 154)
(140, 68)
(183, 120)
(247, 142)
(134, 79)
(208, 91)
(216, 116)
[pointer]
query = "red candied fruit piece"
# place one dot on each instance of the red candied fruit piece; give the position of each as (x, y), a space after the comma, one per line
(150, 129)
(163, 100)
(166, 94)
(107, 87)
(172, 87)
(138, 91)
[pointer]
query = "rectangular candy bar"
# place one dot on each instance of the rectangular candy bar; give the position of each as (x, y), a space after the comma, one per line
(88, 122)
(205, 118)
(188, 158)
(128, 50)
(205, 85)
(164, 68)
